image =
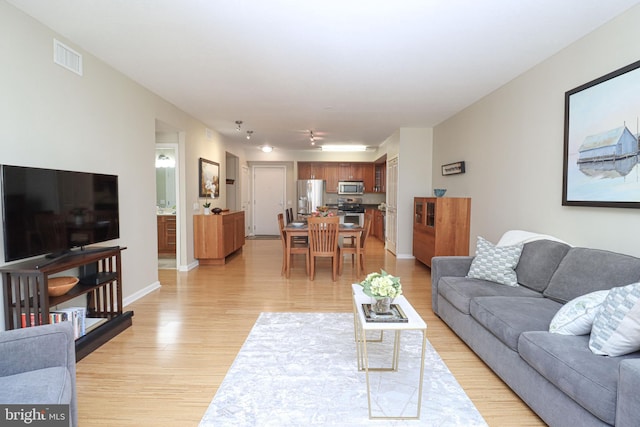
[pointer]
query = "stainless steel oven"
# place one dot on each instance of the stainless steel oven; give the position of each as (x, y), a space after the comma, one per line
(353, 218)
(351, 210)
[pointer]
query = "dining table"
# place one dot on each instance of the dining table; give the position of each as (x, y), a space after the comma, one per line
(300, 229)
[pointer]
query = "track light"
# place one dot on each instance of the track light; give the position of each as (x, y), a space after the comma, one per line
(311, 137)
(249, 133)
(239, 124)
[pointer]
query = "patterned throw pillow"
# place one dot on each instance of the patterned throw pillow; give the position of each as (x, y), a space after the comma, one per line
(495, 263)
(616, 328)
(576, 316)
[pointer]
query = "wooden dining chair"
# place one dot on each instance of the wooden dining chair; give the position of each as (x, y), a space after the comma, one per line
(323, 242)
(350, 248)
(296, 248)
(289, 212)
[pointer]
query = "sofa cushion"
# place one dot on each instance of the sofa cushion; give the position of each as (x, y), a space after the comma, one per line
(459, 291)
(507, 317)
(538, 261)
(43, 386)
(495, 263)
(566, 362)
(616, 327)
(576, 316)
(585, 270)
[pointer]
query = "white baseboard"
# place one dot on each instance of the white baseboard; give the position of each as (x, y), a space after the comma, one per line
(188, 267)
(141, 293)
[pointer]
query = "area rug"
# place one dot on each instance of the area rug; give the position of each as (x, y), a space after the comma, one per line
(300, 369)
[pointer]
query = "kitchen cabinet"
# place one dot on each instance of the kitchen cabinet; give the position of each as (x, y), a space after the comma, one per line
(166, 235)
(217, 236)
(378, 224)
(440, 227)
(380, 178)
(310, 170)
(331, 177)
(333, 172)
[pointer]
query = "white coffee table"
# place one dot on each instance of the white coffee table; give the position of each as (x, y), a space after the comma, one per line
(361, 327)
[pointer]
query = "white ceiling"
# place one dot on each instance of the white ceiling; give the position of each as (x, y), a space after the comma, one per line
(353, 71)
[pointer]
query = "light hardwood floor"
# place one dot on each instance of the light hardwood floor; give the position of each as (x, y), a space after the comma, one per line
(166, 368)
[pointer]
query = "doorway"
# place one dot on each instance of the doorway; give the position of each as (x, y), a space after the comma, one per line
(269, 185)
(167, 197)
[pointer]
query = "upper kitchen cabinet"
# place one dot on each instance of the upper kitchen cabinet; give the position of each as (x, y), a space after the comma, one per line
(380, 178)
(357, 172)
(331, 177)
(310, 170)
(332, 172)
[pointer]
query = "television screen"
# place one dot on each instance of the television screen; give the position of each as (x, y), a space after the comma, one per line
(47, 211)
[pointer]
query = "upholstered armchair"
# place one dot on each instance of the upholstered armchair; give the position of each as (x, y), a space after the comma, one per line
(38, 366)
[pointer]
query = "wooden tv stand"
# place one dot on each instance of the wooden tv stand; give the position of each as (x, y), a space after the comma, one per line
(25, 292)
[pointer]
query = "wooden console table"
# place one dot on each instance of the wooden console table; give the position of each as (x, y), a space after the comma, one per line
(217, 236)
(26, 295)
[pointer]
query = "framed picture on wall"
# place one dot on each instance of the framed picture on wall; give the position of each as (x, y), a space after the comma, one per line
(601, 149)
(209, 172)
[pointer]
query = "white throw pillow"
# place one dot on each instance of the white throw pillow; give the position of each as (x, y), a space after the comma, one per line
(616, 328)
(576, 316)
(495, 263)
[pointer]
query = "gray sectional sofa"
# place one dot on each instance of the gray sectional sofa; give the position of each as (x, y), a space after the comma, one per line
(558, 376)
(38, 366)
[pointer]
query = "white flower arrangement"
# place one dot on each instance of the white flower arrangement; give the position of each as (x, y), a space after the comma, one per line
(381, 285)
(210, 186)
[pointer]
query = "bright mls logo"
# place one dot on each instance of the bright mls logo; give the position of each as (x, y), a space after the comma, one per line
(34, 415)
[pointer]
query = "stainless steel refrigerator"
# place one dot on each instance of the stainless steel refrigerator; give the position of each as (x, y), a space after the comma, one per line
(310, 195)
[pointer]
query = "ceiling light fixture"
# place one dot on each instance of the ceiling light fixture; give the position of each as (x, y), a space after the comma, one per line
(239, 124)
(311, 137)
(165, 162)
(249, 133)
(343, 148)
(266, 149)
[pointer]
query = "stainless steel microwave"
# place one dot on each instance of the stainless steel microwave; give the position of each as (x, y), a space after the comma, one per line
(350, 187)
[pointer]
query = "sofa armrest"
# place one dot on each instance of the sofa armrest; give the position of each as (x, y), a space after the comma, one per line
(628, 401)
(446, 266)
(39, 347)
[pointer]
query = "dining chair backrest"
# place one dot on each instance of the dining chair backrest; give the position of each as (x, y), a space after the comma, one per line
(289, 212)
(366, 228)
(281, 226)
(323, 235)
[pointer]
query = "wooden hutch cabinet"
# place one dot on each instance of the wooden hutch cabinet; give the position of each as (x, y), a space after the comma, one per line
(440, 227)
(217, 236)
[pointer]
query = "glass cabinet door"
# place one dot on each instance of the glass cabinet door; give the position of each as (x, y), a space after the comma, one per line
(431, 214)
(418, 211)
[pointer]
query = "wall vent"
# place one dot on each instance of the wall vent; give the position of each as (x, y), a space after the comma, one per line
(66, 57)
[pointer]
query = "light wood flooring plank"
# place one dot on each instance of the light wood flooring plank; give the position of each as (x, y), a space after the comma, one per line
(166, 368)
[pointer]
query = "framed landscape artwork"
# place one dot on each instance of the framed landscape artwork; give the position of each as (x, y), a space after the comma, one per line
(601, 149)
(209, 171)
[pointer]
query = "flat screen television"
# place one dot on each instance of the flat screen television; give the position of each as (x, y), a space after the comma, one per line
(48, 211)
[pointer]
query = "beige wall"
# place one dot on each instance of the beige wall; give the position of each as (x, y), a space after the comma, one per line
(99, 122)
(512, 142)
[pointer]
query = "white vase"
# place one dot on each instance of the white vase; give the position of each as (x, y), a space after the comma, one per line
(207, 211)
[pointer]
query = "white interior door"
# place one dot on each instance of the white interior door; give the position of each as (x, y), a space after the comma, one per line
(392, 205)
(245, 198)
(268, 198)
